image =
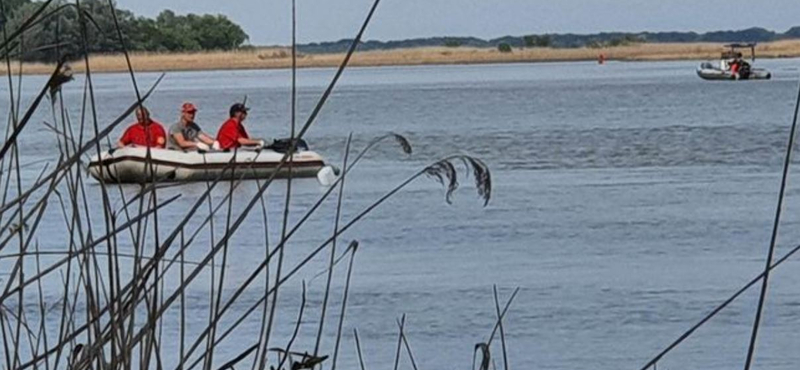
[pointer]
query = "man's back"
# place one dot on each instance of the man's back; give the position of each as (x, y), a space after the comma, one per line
(229, 134)
(150, 135)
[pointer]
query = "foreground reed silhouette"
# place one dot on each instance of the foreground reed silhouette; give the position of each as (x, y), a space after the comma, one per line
(111, 306)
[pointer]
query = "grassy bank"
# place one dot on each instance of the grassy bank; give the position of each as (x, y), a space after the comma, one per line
(273, 58)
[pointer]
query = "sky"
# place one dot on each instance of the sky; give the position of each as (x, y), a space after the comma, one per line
(268, 21)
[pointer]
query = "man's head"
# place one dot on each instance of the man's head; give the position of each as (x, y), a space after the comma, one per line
(142, 115)
(239, 111)
(188, 111)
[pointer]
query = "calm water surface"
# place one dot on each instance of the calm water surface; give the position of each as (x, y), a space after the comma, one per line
(629, 200)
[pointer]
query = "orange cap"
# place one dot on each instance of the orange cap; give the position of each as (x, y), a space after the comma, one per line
(188, 107)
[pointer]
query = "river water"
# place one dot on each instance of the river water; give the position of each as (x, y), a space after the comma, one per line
(628, 201)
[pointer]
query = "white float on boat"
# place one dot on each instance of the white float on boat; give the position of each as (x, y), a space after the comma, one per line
(130, 165)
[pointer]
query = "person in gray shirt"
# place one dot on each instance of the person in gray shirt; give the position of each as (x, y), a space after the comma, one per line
(186, 135)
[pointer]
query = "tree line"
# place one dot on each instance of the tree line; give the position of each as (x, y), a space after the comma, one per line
(61, 32)
(566, 40)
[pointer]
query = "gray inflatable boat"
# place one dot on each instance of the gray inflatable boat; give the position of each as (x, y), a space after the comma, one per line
(131, 165)
(708, 71)
(724, 71)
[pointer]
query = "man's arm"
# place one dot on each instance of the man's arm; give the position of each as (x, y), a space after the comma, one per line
(182, 142)
(250, 142)
(205, 138)
(123, 140)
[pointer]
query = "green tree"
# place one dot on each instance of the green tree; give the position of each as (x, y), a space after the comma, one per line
(504, 47)
(33, 43)
(452, 43)
(215, 32)
(535, 41)
(198, 32)
(9, 6)
(61, 33)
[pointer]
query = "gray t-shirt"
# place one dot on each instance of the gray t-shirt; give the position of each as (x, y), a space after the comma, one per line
(190, 132)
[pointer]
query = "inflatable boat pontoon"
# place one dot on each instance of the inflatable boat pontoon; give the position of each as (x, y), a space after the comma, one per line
(130, 165)
(708, 71)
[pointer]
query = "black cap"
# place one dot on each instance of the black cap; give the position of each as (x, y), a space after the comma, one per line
(238, 107)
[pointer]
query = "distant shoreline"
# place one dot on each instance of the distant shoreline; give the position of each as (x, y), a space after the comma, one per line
(280, 58)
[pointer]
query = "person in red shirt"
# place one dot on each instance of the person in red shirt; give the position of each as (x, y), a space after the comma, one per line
(145, 132)
(735, 65)
(232, 133)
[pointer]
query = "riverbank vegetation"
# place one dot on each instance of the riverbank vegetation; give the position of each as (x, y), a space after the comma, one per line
(279, 58)
(173, 42)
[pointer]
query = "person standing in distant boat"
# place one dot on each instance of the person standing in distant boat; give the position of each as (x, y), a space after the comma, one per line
(736, 65)
(145, 132)
(232, 134)
(744, 69)
(187, 135)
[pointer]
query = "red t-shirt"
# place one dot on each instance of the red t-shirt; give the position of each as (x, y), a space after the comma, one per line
(230, 133)
(145, 135)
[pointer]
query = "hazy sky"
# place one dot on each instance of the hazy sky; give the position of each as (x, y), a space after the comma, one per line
(267, 21)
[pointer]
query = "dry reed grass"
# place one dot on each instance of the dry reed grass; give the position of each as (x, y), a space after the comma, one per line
(277, 58)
